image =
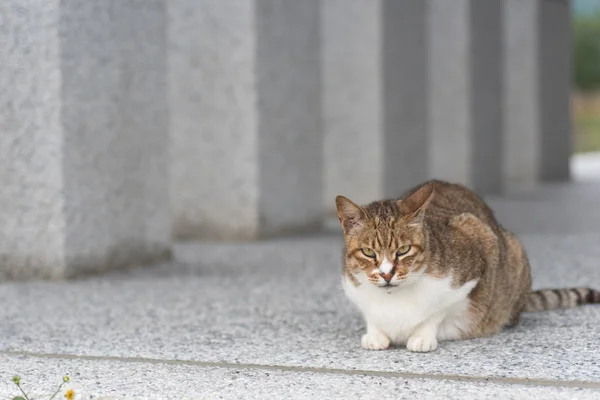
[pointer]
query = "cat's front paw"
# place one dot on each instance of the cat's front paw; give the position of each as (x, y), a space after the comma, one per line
(422, 343)
(375, 341)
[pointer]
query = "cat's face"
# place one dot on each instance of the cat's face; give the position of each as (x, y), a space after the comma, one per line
(385, 241)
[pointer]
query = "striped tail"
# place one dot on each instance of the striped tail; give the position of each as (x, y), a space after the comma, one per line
(551, 299)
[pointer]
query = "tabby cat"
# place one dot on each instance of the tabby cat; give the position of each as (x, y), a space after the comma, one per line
(436, 265)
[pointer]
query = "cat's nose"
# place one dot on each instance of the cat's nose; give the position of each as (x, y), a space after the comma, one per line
(387, 277)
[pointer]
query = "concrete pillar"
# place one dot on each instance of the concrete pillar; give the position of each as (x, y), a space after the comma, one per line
(449, 89)
(246, 141)
(352, 100)
(465, 109)
(374, 98)
(405, 96)
(487, 94)
(83, 122)
(439, 95)
(554, 88)
(522, 150)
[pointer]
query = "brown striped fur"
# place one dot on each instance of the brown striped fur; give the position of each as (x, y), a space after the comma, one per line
(551, 299)
(459, 237)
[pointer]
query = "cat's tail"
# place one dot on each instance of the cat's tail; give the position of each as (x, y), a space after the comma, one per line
(551, 299)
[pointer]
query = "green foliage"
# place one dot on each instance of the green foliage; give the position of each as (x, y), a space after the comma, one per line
(66, 379)
(586, 52)
(587, 133)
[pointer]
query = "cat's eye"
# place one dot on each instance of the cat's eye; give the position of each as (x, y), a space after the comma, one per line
(368, 252)
(403, 250)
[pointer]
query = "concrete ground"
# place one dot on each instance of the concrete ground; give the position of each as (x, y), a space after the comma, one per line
(269, 320)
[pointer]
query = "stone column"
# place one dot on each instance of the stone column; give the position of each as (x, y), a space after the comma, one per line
(465, 109)
(352, 100)
(246, 142)
(521, 158)
(405, 60)
(375, 100)
(449, 90)
(83, 118)
(487, 94)
(554, 89)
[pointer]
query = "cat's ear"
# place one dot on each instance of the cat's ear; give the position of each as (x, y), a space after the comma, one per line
(415, 205)
(351, 216)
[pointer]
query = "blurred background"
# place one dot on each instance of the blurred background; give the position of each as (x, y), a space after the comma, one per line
(126, 126)
(586, 75)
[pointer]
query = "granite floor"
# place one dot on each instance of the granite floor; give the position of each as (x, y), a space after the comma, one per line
(269, 320)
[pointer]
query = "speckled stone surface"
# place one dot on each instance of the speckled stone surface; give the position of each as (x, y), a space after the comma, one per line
(279, 304)
(31, 198)
(245, 99)
(83, 123)
(142, 380)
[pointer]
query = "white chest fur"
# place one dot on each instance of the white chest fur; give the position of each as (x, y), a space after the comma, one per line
(399, 312)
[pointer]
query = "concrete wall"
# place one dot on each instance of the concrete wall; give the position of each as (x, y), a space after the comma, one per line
(521, 156)
(537, 79)
(404, 78)
(353, 151)
(126, 124)
(246, 137)
(554, 87)
(435, 109)
(83, 116)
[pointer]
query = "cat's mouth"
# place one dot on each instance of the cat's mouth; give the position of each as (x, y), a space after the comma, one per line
(392, 285)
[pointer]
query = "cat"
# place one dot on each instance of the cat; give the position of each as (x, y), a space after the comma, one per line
(436, 265)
